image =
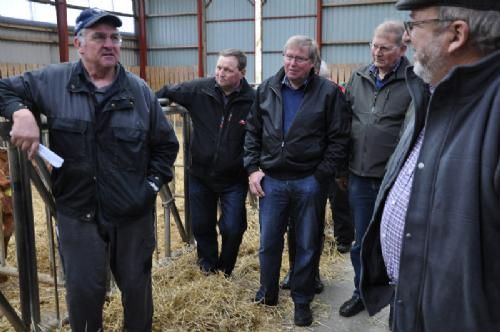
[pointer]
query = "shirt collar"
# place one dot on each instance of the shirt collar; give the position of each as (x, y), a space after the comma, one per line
(374, 69)
(288, 84)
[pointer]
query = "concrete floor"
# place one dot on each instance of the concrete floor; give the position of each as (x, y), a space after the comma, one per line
(336, 292)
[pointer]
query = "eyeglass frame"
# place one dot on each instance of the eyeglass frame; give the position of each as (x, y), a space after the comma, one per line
(98, 37)
(298, 59)
(409, 25)
(383, 48)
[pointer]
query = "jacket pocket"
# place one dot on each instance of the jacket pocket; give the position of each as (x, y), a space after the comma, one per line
(125, 196)
(129, 149)
(68, 138)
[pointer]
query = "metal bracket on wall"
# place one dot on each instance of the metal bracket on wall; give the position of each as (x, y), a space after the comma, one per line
(207, 3)
(252, 2)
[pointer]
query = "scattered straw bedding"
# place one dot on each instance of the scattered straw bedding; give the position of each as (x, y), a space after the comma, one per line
(184, 298)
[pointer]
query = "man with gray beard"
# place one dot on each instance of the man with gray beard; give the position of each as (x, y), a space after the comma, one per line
(432, 245)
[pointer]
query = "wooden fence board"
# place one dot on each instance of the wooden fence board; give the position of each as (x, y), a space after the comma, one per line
(341, 73)
(157, 76)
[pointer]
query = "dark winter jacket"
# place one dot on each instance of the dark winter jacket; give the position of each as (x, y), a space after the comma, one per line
(218, 129)
(377, 117)
(317, 140)
(110, 150)
(450, 263)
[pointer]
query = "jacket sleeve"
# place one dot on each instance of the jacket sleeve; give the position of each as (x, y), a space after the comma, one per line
(253, 137)
(182, 94)
(16, 93)
(335, 159)
(163, 144)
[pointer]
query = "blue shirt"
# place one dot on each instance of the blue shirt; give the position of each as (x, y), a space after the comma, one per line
(292, 98)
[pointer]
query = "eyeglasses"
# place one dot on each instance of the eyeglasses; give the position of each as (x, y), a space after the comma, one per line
(298, 59)
(100, 38)
(382, 48)
(409, 25)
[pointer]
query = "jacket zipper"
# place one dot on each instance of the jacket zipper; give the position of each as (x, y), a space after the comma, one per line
(281, 124)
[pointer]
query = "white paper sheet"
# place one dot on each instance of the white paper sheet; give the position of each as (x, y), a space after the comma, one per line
(50, 156)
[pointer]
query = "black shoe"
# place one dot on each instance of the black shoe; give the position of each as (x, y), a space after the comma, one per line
(259, 299)
(352, 307)
(318, 285)
(303, 315)
(343, 248)
(285, 283)
(207, 270)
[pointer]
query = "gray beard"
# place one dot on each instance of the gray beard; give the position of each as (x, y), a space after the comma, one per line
(422, 72)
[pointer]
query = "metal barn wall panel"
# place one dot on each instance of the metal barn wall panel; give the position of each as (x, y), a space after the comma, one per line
(289, 8)
(172, 34)
(347, 30)
(173, 58)
(24, 42)
(280, 20)
(229, 9)
(28, 42)
(170, 6)
(21, 52)
(230, 24)
(271, 63)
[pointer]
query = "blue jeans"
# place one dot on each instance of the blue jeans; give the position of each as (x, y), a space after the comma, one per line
(305, 200)
(204, 199)
(362, 195)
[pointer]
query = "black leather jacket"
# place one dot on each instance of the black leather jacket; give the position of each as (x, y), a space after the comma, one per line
(110, 149)
(317, 140)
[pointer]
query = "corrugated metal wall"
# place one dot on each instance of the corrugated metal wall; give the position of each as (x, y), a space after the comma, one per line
(172, 34)
(30, 42)
(348, 28)
(230, 24)
(280, 20)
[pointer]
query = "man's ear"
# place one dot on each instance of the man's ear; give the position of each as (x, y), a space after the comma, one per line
(459, 36)
(77, 44)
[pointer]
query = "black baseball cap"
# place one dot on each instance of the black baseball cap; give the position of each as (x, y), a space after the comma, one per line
(90, 16)
(471, 4)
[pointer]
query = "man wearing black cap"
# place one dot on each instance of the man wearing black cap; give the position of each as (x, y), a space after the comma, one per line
(118, 150)
(434, 242)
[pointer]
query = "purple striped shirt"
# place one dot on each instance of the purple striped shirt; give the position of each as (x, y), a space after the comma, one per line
(394, 215)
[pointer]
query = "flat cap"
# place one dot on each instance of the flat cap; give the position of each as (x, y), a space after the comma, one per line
(471, 4)
(90, 16)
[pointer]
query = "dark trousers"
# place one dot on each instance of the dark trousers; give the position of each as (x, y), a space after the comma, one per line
(203, 201)
(305, 200)
(87, 249)
(362, 195)
(343, 228)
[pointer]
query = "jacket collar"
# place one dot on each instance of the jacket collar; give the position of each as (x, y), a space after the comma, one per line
(277, 80)
(78, 81)
(468, 81)
(245, 90)
(399, 73)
